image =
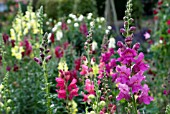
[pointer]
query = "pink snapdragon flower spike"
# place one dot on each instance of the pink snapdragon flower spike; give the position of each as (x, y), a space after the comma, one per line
(66, 86)
(89, 88)
(129, 74)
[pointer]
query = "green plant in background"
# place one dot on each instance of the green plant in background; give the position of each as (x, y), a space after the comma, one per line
(160, 52)
(61, 8)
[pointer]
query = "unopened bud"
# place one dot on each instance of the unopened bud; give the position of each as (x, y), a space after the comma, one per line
(47, 51)
(48, 58)
(122, 30)
(133, 28)
(120, 44)
(136, 46)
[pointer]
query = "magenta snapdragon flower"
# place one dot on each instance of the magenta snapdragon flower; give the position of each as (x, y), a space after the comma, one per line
(123, 74)
(83, 29)
(144, 97)
(59, 52)
(124, 92)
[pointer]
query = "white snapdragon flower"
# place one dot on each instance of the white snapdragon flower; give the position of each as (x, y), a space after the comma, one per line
(89, 16)
(109, 27)
(94, 45)
(92, 23)
(81, 17)
(49, 36)
(54, 28)
(59, 34)
(112, 43)
(102, 19)
(107, 31)
(59, 23)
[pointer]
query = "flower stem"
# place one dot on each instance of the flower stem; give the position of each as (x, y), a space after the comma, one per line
(134, 105)
(48, 99)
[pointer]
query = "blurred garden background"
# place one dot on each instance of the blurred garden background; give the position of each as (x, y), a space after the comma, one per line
(84, 56)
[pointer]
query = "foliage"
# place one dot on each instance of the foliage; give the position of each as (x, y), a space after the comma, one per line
(61, 8)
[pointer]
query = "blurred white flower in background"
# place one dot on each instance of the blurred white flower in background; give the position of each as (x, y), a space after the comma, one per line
(109, 27)
(94, 45)
(59, 34)
(102, 19)
(59, 23)
(89, 16)
(92, 23)
(107, 31)
(76, 24)
(49, 36)
(81, 17)
(54, 28)
(112, 43)
(99, 26)
(160, 41)
(68, 21)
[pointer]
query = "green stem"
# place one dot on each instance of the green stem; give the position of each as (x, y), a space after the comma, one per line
(47, 88)
(134, 105)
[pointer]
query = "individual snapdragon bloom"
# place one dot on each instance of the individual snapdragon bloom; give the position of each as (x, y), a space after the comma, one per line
(77, 64)
(112, 43)
(85, 70)
(94, 45)
(124, 74)
(135, 82)
(147, 35)
(139, 64)
(144, 97)
(59, 52)
(62, 66)
(89, 16)
(13, 35)
(127, 55)
(124, 92)
(59, 34)
(17, 52)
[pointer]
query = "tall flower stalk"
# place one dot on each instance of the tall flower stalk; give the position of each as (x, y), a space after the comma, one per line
(42, 61)
(130, 72)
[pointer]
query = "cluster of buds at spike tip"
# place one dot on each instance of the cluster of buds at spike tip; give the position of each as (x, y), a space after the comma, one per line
(128, 30)
(88, 43)
(43, 51)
